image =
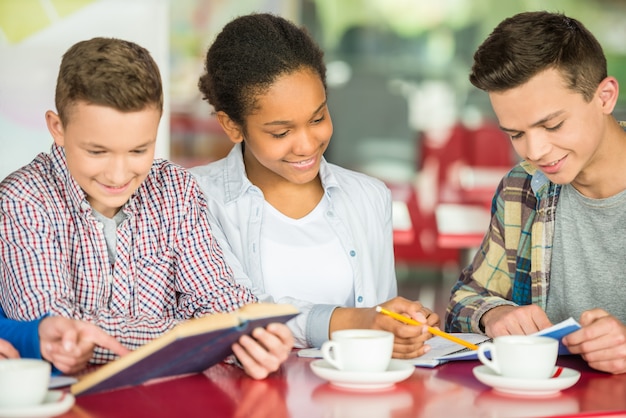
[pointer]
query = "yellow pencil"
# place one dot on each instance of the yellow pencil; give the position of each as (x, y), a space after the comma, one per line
(432, 330)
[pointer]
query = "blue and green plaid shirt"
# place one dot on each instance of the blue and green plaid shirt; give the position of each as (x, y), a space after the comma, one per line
(512, 266)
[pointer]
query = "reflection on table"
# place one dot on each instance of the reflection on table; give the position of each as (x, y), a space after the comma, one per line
(449, 390)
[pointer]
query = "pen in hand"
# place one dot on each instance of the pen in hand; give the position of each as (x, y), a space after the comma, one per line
(432, 330)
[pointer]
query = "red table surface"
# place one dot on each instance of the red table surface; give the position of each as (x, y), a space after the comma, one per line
(449, 390)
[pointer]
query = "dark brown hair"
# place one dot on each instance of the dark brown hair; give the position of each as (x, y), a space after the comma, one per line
(528, 43)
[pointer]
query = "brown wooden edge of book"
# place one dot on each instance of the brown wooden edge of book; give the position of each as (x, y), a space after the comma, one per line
(193, 326)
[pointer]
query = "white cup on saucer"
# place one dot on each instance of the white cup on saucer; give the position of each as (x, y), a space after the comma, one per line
(23, 382)
(521, 356)
(359, 350)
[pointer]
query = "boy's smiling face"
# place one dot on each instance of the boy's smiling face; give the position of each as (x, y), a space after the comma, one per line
(555, 129)
(108, 152)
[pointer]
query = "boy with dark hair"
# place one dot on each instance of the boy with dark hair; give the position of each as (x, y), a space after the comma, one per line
(555, 246)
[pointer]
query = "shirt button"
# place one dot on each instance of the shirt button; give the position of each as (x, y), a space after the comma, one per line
(110, 278)
(99, 226)
(359, 299)
(352, 253)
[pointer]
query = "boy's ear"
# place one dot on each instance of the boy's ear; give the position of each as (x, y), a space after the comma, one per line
(232, 129)
(55, 126)
(608, 91)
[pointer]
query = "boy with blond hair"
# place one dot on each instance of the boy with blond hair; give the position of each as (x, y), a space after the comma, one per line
(99, 230)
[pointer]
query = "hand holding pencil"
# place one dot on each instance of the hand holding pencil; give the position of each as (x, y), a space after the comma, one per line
(434, 331)
(409, 341)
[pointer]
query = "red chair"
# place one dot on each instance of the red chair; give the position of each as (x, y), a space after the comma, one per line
(490, 147)
(415, 232)
(483, 152)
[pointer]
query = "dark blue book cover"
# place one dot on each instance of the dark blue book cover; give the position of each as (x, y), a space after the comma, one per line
(191, 347)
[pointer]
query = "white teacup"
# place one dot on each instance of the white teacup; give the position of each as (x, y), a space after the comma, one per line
(521, 356)
(23, 382)
(359, 350)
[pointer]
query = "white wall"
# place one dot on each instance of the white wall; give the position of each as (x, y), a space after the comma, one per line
(29, 66)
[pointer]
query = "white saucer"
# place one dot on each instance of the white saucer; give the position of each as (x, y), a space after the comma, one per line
(527, 387)
(396, 372)
(56, 402)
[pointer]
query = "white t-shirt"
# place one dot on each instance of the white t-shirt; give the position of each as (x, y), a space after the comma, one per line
(303, 258)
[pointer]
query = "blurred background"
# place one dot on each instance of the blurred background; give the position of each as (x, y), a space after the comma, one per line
(401, 103)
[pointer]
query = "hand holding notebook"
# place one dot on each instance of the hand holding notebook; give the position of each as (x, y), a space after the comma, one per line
(443, 351)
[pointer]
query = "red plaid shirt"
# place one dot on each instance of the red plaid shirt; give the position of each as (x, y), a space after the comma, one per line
(54, 256)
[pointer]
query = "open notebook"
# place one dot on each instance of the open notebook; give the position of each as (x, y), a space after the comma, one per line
(444, 350)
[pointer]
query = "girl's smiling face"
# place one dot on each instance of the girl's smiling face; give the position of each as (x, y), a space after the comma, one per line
(288, 131)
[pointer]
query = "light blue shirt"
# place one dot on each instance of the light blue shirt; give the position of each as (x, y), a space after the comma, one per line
(359, 213)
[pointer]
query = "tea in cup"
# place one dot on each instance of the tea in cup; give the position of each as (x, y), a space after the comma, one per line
(23, 382)
(359, 350)
(521, 356)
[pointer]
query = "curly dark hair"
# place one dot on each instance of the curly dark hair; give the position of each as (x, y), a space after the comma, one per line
(248, 55)
(528, 43)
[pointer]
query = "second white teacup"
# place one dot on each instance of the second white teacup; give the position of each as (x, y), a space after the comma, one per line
(359, 350)
(23, 382)
(521, 356)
